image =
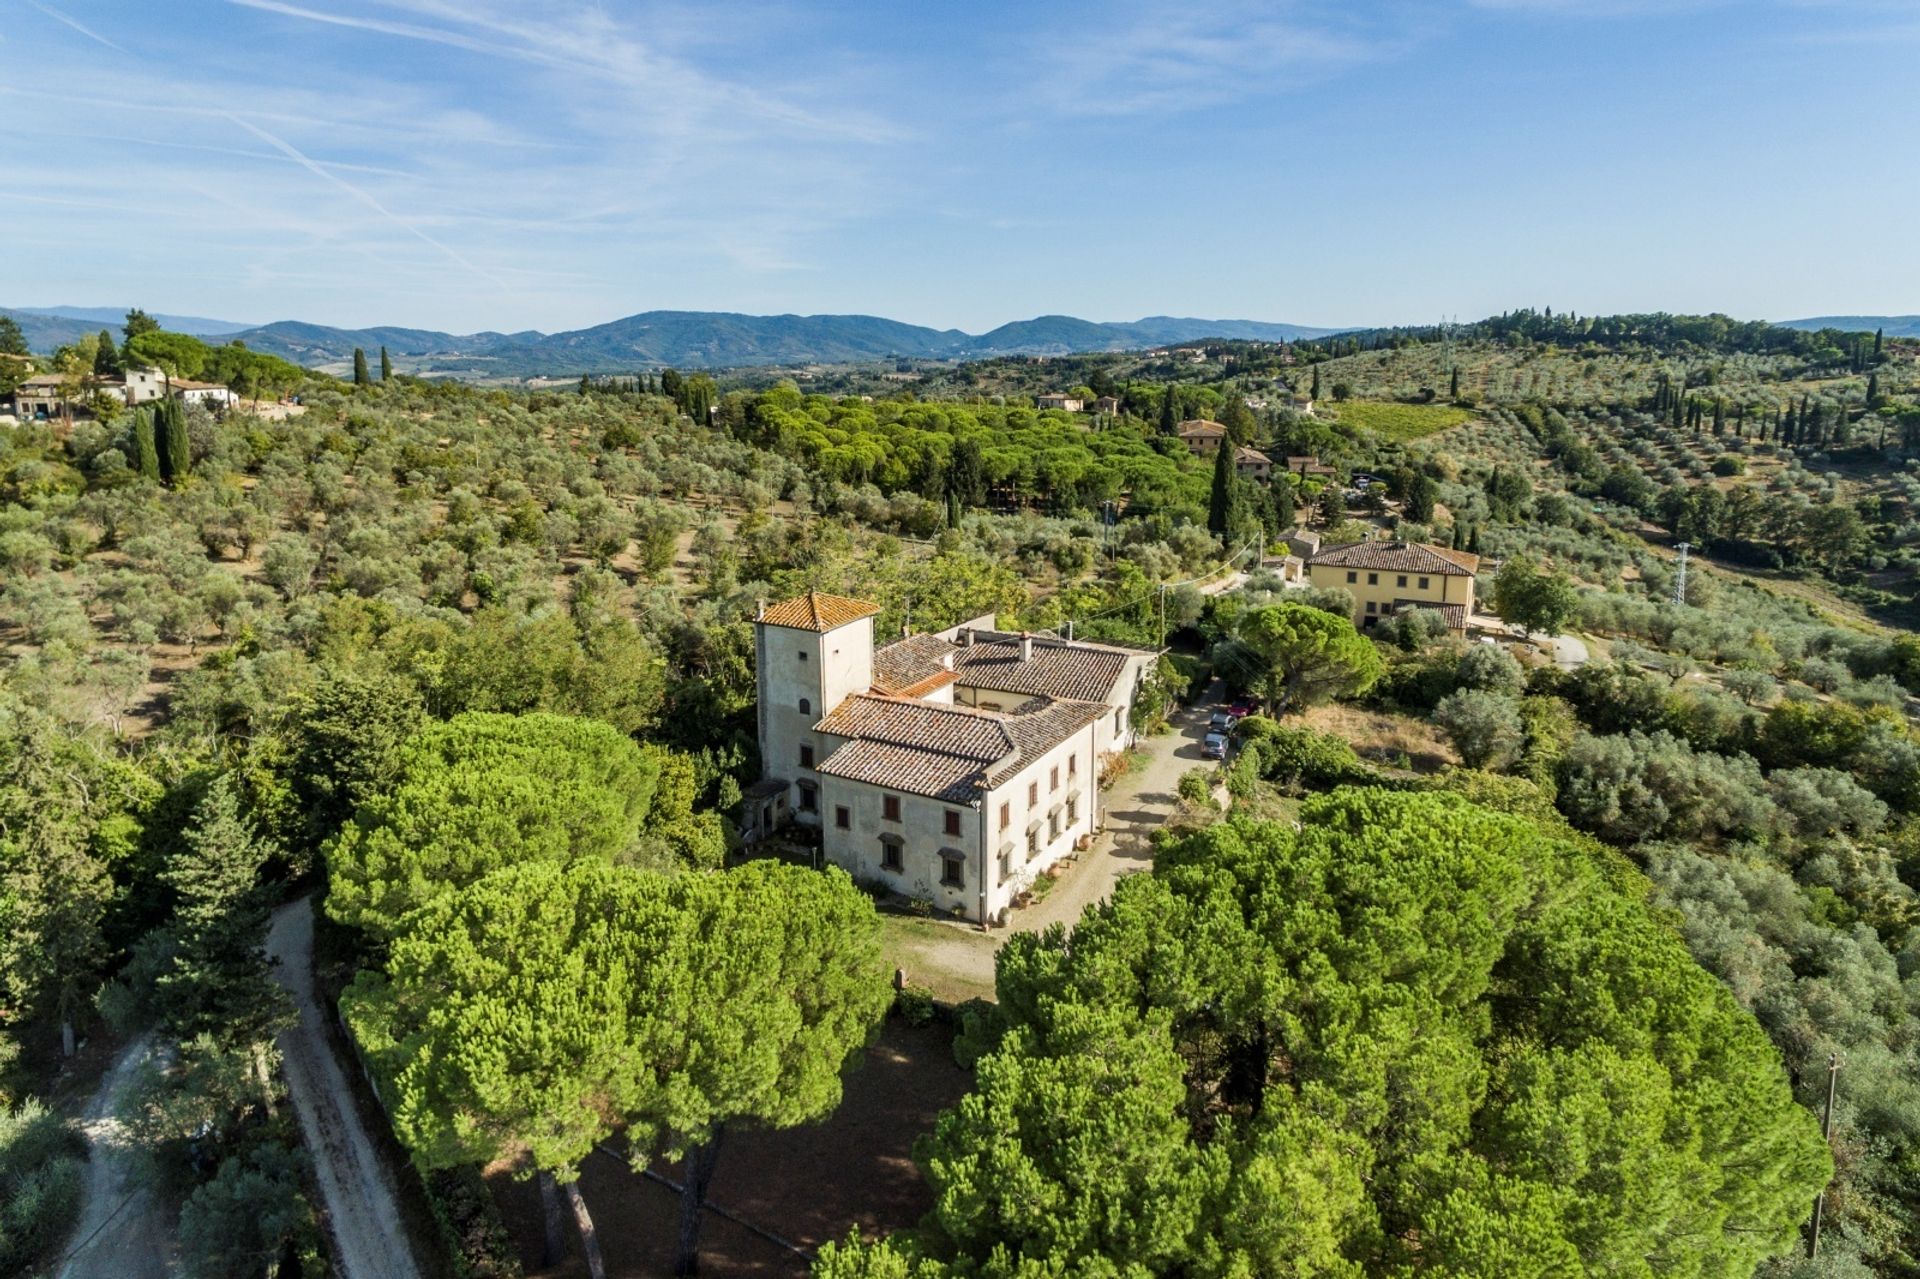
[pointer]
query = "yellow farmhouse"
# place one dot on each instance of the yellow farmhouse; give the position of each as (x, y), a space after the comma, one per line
(1390, 577)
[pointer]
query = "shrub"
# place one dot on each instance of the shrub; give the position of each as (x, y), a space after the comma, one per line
(40, 1184)
(1483, 726)
(1729, 464)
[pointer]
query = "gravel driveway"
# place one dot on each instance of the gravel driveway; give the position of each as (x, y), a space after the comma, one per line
(362, 1213)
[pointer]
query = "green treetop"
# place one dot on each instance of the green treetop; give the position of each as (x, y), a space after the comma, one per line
(532, 1013)
(483, 791)
(360, 375)
(1301, 655)
(1534, 599)
(1412, 1037)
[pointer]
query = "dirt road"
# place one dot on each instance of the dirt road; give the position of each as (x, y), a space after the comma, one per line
(122, 1232)
(363, 1216)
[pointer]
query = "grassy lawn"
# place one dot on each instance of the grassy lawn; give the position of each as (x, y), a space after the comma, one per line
(1401, 422)
(954, 963)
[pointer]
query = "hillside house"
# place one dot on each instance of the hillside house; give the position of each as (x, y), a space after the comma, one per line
(1201, 436)
(1071, 403)
(1109, 404)
(953, 767)
(1390, 577)
(1310, 465)
(1252, 464)
(211, 394)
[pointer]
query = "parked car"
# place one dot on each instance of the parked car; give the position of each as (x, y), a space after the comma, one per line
(1216, 747)
(1243, 709)
(1222, 722)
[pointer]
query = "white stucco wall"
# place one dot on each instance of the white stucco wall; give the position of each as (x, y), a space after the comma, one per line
(922, 827)
(820, 669)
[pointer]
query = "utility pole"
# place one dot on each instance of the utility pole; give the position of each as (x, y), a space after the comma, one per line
(1680, 577)
(1826, 1134)
(1163, 615)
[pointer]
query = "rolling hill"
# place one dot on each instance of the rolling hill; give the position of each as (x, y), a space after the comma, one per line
(1896, 326)
(683, 339)
(715, 339)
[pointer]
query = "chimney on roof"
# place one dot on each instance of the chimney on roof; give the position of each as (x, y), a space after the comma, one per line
(1026, 646)
(966, 638)
(760, 610)
(905, 630)
(1069, 630)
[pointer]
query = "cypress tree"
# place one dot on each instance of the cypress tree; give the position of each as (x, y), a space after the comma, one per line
(1281, 495)
(146, 454)
(360, 377)
(1879, 336)
(1226, 511)
(386, 366)
(170, 440)
(1873, 390)
(1315, 393)
(1169, 412)
(1453, 391)
(953, 509)
(1473, 541)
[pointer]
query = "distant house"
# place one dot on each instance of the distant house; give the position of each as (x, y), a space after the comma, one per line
(1071, 403)
(1300, 403)
(1309, 465)
(1107, 404)
(1304, 543)
(137, 386)
(1252, 464)
(1392, 577)
(211, 394)
(1201, 436)
(38, 396)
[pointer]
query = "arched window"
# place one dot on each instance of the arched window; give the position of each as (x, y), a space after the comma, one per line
(806, 707)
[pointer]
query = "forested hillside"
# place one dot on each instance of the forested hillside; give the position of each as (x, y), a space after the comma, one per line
(1544, 981)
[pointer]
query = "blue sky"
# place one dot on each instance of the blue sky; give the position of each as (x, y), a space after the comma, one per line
(470, 164)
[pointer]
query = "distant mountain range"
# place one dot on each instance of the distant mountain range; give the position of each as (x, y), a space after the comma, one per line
(1896, 326)
(683, 339)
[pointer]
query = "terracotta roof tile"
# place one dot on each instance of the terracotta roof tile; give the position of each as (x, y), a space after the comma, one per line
(1456, 614)
(908, 662)
(1200, 426)
(948, 752)
(817, 611)
(1058, 668)
(1400, 557)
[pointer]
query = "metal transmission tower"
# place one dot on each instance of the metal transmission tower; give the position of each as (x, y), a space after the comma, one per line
(1680, 575)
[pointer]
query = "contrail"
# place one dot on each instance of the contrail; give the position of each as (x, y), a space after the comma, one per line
(299, 157)
(90, 34)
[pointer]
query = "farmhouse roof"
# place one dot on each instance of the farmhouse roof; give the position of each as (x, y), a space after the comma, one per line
(948, 752)
(1060, 668)
(1246, 453)
(912, 662)
(1200, 428)
(1455, 614)
(1400, 557)
(816, 611)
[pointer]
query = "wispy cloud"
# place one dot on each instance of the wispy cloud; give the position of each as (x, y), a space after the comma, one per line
(1162, 58)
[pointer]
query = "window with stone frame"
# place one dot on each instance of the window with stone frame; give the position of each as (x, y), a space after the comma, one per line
(893, 853)
(953, 869)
